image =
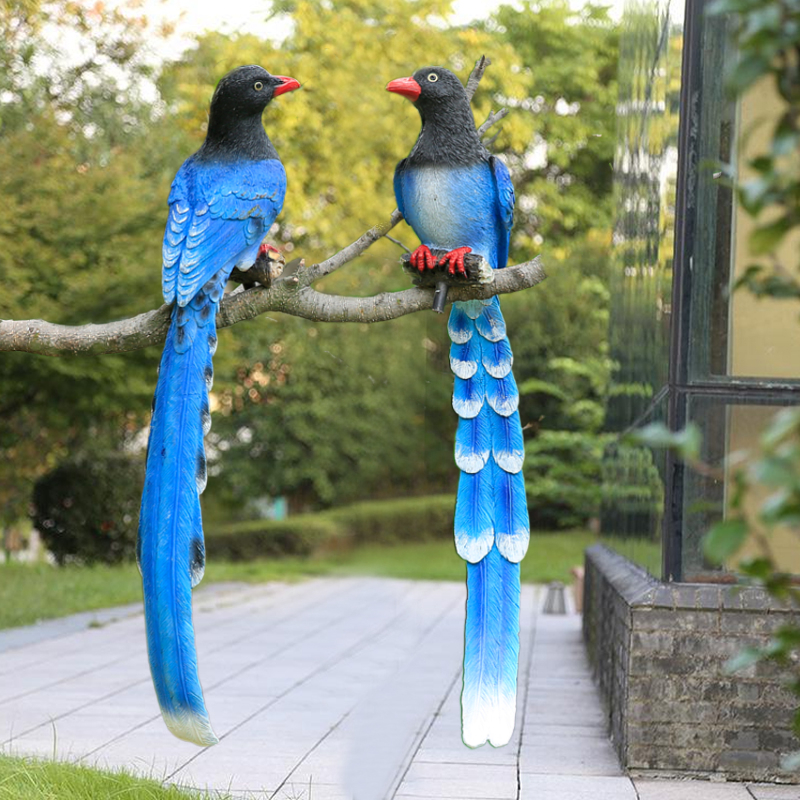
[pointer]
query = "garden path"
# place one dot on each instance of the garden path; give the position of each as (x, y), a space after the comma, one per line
(328, 689)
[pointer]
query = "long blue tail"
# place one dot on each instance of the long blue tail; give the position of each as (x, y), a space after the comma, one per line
(171, 552)
(491, 521)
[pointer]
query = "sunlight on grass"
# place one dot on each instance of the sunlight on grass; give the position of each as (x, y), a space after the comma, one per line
(29, 593)
(33, 779)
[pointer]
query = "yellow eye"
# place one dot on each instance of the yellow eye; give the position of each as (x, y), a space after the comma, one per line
(433, 77)
(258, 86)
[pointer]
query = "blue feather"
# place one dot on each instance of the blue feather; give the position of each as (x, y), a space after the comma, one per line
(219, 213)
(496, 357)
(502, 394)
(170, 548)
(473, 520)
(460, 326)
(473, 206)
(468, 395)
(464, 358)
(511, 520)
(508, 449)
(473, 442)
(491, 650)
(490, 324)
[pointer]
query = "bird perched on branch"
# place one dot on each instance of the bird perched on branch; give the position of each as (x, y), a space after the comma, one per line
(223, 201)
(459, 198)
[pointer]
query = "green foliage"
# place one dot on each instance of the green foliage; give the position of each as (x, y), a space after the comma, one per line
(563, 478)
(25, 778)
(686, 443)
(373, 522)
(84, 191)
(87, 508)
(347, 412)
(296, 536)
(768, 37)
(563, 174)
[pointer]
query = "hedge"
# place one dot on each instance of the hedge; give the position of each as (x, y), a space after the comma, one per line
(375, 522)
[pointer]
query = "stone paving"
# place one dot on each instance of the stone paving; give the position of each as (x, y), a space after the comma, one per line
(330, 689)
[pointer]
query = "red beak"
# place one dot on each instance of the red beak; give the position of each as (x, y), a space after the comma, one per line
(287, 85)
(407, 87)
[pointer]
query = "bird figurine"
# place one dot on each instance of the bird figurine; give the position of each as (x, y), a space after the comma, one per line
(458, 198)
(222, 203)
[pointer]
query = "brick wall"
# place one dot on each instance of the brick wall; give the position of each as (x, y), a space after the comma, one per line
(658, 652)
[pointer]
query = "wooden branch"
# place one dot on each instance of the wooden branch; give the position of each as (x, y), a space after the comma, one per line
(309, 275)
(476, 75)
(289, 296)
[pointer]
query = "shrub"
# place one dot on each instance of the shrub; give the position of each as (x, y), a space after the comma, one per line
(563, 478)
(297, 536)
(374, 522)
(410, 519)
(87, 509)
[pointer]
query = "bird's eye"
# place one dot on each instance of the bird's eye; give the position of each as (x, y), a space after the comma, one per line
(258, 86)
(433, 77)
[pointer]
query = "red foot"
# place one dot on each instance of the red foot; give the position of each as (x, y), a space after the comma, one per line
(422, 258)
(455, 260)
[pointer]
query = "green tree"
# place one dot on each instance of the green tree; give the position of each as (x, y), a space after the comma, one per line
(83, 188)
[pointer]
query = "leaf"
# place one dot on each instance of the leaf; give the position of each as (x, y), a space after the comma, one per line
(759, 568)
(767, 237)
(724, 539)
(686, 443)
(744, 659)
(791, 762)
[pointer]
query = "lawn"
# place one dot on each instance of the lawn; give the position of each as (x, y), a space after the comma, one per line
(29, 593)
(32, 779)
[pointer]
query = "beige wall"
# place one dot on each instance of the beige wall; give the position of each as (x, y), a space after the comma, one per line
(764, 334)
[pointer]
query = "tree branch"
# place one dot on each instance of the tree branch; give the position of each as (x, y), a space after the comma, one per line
(476, 75)
(289, 296)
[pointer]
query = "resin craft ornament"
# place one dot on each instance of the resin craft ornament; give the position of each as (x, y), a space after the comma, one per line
(458, 198)
(223, 201)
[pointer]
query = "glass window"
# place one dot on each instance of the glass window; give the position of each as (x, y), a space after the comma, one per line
(731, 428)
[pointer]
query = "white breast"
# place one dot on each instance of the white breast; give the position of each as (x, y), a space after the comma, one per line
(435, 220)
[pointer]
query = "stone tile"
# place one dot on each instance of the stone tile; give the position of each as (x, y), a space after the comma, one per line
(690, 790)
(576, 757)
(575, 787)
(772, 791)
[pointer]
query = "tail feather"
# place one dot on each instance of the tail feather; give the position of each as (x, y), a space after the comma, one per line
(474, 530)
(171, 550)
(491, 650)
(491, 519)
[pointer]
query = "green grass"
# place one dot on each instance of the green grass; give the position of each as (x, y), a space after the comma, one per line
(32, 779)
(29, 593)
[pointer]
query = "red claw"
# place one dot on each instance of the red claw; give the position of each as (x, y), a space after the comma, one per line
(422, 258)
(455, 260)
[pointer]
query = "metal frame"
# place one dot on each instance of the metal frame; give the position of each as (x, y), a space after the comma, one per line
(681, 388)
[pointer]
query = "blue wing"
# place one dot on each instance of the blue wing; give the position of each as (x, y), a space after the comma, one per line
(504, 199)
(218, 215)
(398, 185)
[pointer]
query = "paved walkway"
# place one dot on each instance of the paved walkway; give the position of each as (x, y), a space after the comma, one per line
(330, 689)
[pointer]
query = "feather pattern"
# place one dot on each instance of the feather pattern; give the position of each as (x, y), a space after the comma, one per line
(491, 651)
(171, 550)
(223, 200)
(454, 194)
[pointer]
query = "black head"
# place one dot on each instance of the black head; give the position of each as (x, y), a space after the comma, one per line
(448, 133)
(432, 89)
(247, 90)
(234, 121)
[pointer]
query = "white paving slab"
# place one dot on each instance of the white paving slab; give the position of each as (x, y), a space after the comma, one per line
(331, 689)
(690, 790)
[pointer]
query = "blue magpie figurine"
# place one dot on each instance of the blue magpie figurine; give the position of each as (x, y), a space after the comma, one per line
(459, 198)
(223, 201)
